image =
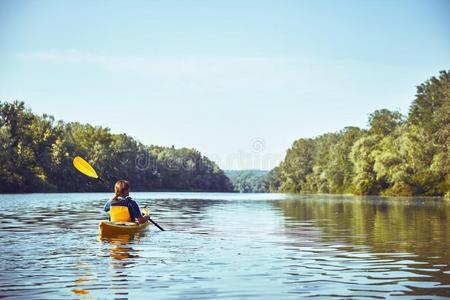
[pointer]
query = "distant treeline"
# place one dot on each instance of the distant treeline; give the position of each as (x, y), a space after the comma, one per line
(248, 181)
(36, 155)
(396, 155)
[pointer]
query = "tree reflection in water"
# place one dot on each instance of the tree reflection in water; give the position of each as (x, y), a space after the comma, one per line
(410, 233)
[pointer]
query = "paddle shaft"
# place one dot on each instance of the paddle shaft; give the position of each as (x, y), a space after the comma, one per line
(156, 224)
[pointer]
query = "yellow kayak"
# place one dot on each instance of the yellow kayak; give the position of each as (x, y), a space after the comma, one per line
(107, 228)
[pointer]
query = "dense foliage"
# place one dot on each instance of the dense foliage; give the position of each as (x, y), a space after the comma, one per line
(36, 155)
(248, 181)
(396, 155)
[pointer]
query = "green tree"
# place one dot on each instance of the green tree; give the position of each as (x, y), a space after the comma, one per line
(37, 152)
(365, 179)
(392, 157)
(340, 167)
(248, 181)
(384, 122)
(297, 165)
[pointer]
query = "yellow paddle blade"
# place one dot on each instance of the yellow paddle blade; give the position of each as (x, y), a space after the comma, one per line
(84, 167)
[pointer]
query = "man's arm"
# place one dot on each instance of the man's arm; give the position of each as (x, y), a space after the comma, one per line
(107, 206)
(136, 213)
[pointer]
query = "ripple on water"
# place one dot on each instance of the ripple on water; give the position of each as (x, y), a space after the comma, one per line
(225, 246)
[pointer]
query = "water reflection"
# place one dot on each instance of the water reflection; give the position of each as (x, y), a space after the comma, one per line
(400, 242)
(120, 248)
(83, 280)
(79, 290)
(226, 246)
(123, 258)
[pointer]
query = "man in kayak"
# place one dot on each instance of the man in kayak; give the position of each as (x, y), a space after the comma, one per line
(121, 207)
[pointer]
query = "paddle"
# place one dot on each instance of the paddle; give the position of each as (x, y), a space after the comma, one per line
(85, 168)
(156, 224)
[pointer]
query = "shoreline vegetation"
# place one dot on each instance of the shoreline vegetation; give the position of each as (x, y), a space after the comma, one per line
(248, 181)
(36, 154)
(396, 156)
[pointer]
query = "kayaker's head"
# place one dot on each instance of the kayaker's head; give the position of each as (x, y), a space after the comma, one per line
(121, 189)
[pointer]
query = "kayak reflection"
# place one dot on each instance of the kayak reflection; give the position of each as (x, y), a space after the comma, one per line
(120, 246)
(123, 257)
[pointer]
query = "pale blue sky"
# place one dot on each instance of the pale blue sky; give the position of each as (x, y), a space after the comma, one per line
(237, 80)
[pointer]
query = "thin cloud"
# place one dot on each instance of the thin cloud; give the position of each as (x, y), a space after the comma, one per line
(216, 72)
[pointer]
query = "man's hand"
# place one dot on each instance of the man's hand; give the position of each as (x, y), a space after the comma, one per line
(143, 219)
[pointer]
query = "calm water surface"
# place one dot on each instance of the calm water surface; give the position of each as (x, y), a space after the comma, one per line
(227, 246)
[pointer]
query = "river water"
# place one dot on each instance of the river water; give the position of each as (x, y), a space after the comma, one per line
(272, 246)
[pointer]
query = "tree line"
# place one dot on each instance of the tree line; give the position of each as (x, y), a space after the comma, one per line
(397, 155)
(248, 181)
(36, 154)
